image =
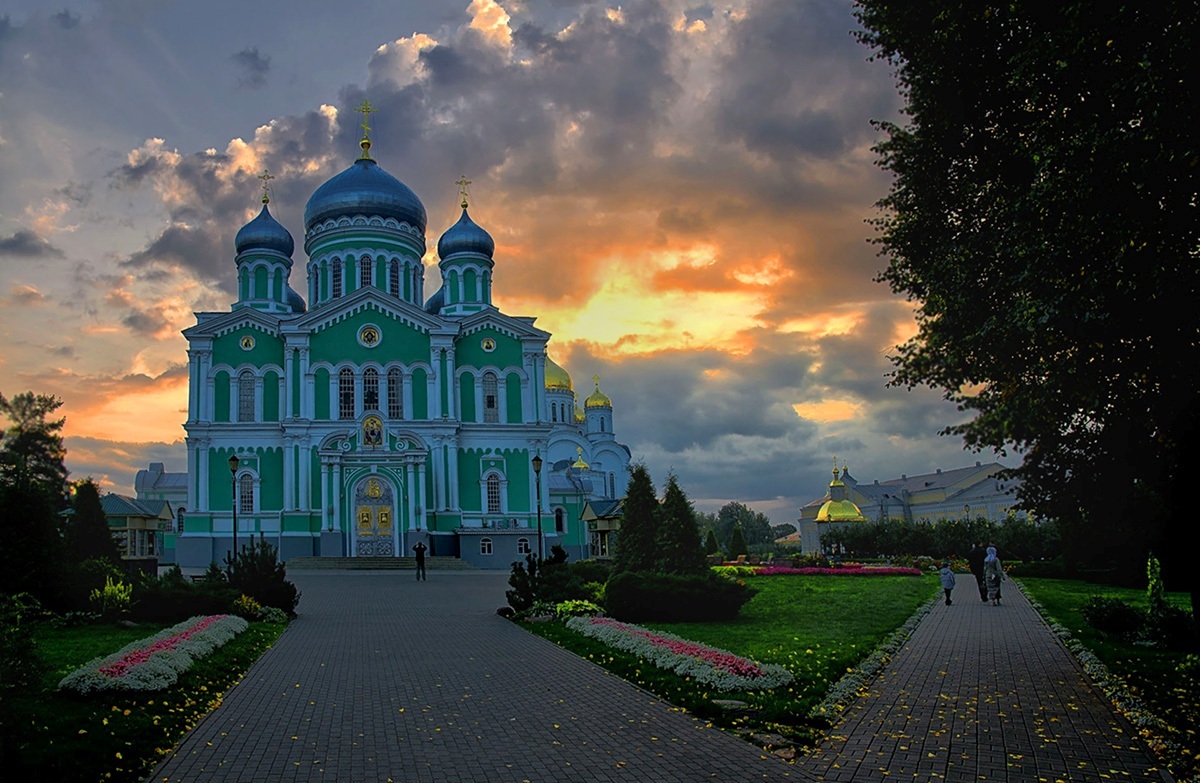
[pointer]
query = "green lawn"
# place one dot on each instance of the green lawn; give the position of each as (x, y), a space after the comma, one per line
(60, 736)
(816, 626)
(1150, 673)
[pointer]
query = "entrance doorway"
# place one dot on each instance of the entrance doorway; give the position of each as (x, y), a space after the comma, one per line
(374, 529)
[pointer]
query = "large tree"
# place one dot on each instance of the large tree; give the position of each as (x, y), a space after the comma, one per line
(637, 540)
(88, 536)
(756, 527)
(32, 484)
(680, 551)
(1043, 216)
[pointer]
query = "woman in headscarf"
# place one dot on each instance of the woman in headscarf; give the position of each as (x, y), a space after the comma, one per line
(993, 575)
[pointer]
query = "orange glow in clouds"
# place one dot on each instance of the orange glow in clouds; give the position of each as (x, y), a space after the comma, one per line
(153, 414)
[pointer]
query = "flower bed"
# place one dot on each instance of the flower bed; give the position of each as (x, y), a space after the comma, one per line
(156, 662)
(846, 570)
(708, 665)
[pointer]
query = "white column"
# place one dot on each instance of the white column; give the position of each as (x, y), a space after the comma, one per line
(502, 397)
(193, 386)
(202, 474)
(302, 454)
(452, 380)
(307, 387)
(411, 494)
(326, 522)
(259, 411)
(478, 387)
(452, 453)
(439, 482)
(337, 496)
(289, 380)
(289, 488)
(421, 500)
(433, 382)
(193, 476)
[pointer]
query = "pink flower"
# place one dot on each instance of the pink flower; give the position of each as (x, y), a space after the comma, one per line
(121, 666)
(718, 659)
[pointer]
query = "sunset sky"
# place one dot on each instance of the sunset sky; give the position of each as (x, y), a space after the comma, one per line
(678, 191)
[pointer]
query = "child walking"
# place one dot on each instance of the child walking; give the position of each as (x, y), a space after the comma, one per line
(947, 581)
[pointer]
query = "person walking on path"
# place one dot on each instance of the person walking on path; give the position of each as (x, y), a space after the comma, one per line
(993, 575)
(947, 577)
(975, 559)
(420, 548)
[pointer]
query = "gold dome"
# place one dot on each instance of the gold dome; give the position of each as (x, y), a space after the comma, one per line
(579, 414)
(579, 463)
(556, 377)
(840, 511)
(597, 399)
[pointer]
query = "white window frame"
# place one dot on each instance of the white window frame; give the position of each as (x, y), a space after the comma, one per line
(485, 546)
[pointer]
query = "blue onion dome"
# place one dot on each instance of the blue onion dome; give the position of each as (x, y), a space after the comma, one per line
(365, 189)
(264, 233)
(435, 302)
(466, 236)
(295, 301)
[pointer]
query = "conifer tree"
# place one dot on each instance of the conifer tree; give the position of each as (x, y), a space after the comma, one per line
(88, 535)
(637, 540)
(678, 537)
(711, 547)
(737, 543)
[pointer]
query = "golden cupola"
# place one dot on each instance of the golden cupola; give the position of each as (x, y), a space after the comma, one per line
(557, 379)
(839, 508)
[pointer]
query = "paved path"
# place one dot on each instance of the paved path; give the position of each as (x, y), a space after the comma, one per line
(982, 693)
(384, 678)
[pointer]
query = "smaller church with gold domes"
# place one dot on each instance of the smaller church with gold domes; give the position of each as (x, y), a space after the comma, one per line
(366, 417)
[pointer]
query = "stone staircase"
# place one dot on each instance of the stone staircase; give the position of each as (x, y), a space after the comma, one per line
(375, 564)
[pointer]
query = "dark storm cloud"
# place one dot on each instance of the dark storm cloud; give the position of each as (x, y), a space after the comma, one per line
(180, 245)
(27, 244)
(65, 19)
(254, 66)
(784, 54)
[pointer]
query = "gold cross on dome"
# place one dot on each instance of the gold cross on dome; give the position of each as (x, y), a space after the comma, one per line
(462, 189)
(596, 378)
(366, 110)
(266, 178)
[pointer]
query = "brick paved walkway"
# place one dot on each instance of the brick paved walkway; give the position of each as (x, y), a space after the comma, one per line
(384, 678)
(982, 693)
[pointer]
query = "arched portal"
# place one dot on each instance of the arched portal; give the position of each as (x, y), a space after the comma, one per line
(374, 518)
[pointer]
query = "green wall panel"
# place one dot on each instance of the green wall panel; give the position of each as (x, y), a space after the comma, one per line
(270, 475)
(321, 394)
(468, 479)
(398, 341)
(221, 396)
(513, 392)
(466, 396)
(271, 397)
(268, 349)
(420, 394)
(468, 351)
(520, 477)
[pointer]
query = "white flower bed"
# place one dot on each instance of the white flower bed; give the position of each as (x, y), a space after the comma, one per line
(156, 662)
(710, 666)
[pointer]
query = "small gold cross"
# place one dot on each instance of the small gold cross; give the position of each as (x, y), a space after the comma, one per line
(462, 189)
(266, 177)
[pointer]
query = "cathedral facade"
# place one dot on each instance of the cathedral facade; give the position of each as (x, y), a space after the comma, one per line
(372, 416)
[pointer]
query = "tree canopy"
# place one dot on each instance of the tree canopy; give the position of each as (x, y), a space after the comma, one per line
(1043, 218)
(87, 535)
(31, 447)
(756, 527)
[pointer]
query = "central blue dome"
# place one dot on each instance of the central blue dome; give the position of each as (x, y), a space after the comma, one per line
(365, 189)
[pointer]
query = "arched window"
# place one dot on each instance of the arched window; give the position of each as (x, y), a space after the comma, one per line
(493, 494)
(523, 546)
(395, 394)
(560, 522)
(485, 546)
(370, 389)
(491, 403)
(394, 278)
(246, 491)
(345, 394)
(364, 271)
(179, 519)
(554, 413)
(602, 424)
(337, 277)
(612, 485)
(245, 396)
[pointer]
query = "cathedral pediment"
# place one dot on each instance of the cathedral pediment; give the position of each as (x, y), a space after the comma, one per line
(519, 328)
(218, 324)
(365, 299)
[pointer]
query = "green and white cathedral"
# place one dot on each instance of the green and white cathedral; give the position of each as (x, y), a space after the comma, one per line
(375, 417)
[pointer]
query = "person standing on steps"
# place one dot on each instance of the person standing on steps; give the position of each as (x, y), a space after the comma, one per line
(975, 558)
(947, 577)
(993, 575)
(419, 548)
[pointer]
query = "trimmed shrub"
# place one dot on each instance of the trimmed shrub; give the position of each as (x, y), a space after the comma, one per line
(19, 664)
(638, 597)
(256, 572)
(1112, 617)
(170, 599)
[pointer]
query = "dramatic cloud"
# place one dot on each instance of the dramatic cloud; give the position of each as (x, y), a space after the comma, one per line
(26, 244)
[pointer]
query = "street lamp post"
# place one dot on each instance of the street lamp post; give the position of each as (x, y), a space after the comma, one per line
(233, 463)
(537, 475)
